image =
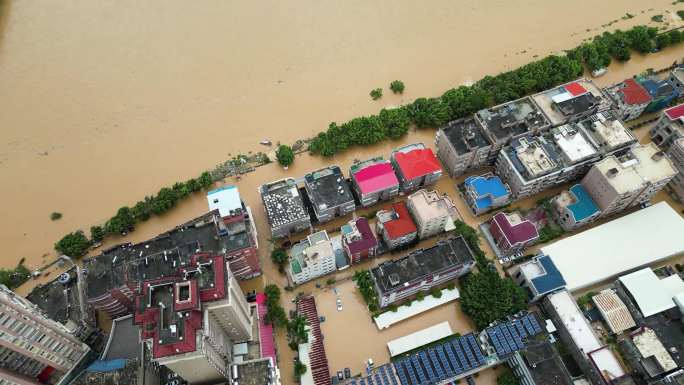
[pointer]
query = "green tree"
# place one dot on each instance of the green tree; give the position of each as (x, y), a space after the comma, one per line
(166, 198)
(279, 258)
(13, 278)
(435, 292)
(55, 216)
(641, 38)
(296, 331)
(97, 233)
(663, 40)
(285, 155)
(299, 369)
(420, 295)
(675, 37)
(205, 181)
(376, 93)
(275, 314)
(395, 122)
(428, 112)
(364, 282)
(487, 297)
(143, 209)
(397, 87)
(122, 222)
(507, 378)
(74, 244)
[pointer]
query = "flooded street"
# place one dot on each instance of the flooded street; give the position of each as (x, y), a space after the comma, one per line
(105, 102)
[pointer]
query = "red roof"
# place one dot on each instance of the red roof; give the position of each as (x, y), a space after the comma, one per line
(401, 226)
(634, 93)
(417, 163)
(575, 89)
(675, 112)
(265, 329)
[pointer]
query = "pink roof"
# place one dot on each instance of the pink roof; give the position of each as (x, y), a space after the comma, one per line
(265, 330)
(575, 89)
(417, 163)
(376, 177)
(675, 112)
(522, 232)
(634, 93)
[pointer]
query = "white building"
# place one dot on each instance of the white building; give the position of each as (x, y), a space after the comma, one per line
(311, 258)
(676, 154)
(433, 213)
(651, 294)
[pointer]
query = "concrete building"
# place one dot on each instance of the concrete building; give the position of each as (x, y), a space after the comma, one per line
(572, 102)
(574, 207)
(630, 99)
(676, 154)
(35, 350)
(676, 78)
(416, 166)
(311, 258)
(613, 311)
(284, 208)
(358, 240)
(191, 320)
(485, 193)
(396, 227)
(606, 133)
(651, 294)
(647, 355)
(669, 127)
(538, 276)
(623, 238)
(422, 270)
(374, 181)
(432, 213)
(661, 91)
(539, 364)
(512, 233)
(462, 145)
(616, 183)
(329, 193)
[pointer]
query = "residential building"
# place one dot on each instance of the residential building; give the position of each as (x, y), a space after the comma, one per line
(676, 154)
(662, 92)
(539, 364)
(512, 233)
(396, 227)
(284, 207)
(192, 320)
(651, 294)
(239, 229)
(358, 240)
(432, 213)
(616, 183)
(613, 311)
(676, 78)
(329, 193)
(34, 349)
(538, 276)
(485, 193)
(374, 181)
(422, 270)
(575, 208)
(607, 133)
(462, 145)
(311, 258)
(646, 354)
(312, 353)
(630, 98)
(660, 224)
(669, 127)
(572, 102)
(416, 166)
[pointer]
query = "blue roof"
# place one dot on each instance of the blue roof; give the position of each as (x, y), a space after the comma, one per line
(550, 281)
(584, 206)
(486, 189)
(107, 366)
(222, 188)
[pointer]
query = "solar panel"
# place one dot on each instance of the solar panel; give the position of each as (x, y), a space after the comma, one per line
(362, 381)
(418, 370)
(461, 356)
(528, 326)
(436, 364)
(445, 361)
(521, 329)
(476, 348)
(468, 352)
(378, 379)
(401, 372)
(427, 367)
(516, 336)
(535, 324)
(392, 376)
(452, 358)
(509, 338)
(369, 380)
(496, 337)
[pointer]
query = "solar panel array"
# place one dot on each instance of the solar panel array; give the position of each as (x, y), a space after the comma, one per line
(507, 337)
(383, 375)
(440, 362)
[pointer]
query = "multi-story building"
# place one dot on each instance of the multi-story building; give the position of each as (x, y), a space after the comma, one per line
(416, 166)
(572, 102)
(422, 270)
(574, 207)
(462, 145)
(329, 193)
(676, 78)
(512, 233)
(432, 213)
(311, 258)
(607, 133)
(538, 276)
(238, 227)
(661, 91)
(284, 208)
(485, 192)
(396, 227)
(358, 240)
(34, 349)
(374, 181)
(539, 364)
(616, 183)
(676, 154)
(669, 127)
(630, 98)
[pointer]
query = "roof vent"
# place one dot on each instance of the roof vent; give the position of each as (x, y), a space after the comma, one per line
(394, 279)
(612, 173)
(658, 156)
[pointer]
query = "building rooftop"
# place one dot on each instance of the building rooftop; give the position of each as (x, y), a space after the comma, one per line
(649, 346)
(59, 299)
(661, 225)
(124, 340)
(657, 88)
(512, 119)
(125, 372)
(430, 205)
(608, 365)
(630, 92)
(613, 311)
(226, 200)
(374, 175)
(420, 338)
(543, 274)
(315, 246)
(465, 135)
(675, 112)
(397, 223)
(327, 188)
(606, 132)
(515, 228)
(282, 202)
(486, 188)
(574, 321)
(545, 365)
(255, 372)
(570, 99)
(649, 292)
(580, 203)
(533, 157)
(642, 165)
(358, 236)
(415, 161)
(423, 262)
(574, 147)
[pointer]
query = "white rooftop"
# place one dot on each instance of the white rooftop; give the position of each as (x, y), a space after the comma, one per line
(647, 165)
(624, 244)
(226, 199)
(649, 345)
(648, 291)
(611, 133)
(419, 338)
(389, 318)
(573, 144)
(607, 364)
(574, 321)
(534, 158)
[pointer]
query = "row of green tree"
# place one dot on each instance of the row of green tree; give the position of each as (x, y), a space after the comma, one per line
(364, 282)
(13, 278)
(76, 244)
(463, 101)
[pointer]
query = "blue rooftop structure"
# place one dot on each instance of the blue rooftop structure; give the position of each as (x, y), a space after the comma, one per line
(584, 206)
(550, 280)
(661, 91)
(510, 336)
(487, 191)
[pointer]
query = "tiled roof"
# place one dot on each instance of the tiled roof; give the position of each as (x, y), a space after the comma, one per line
(614, 311)
(551, 280)
(266, 341)
(575, 89)
(401, 226)
(522, 232)
(634, 93)
(367, 240)
(376, 177)
(675, 112)
(486, 188)
(417, 163)
(584, 206)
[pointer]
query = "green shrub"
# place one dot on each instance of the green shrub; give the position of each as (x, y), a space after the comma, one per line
(285, 155)
(376, 93)
(397, 87)
(55, 216)
(74, 244)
